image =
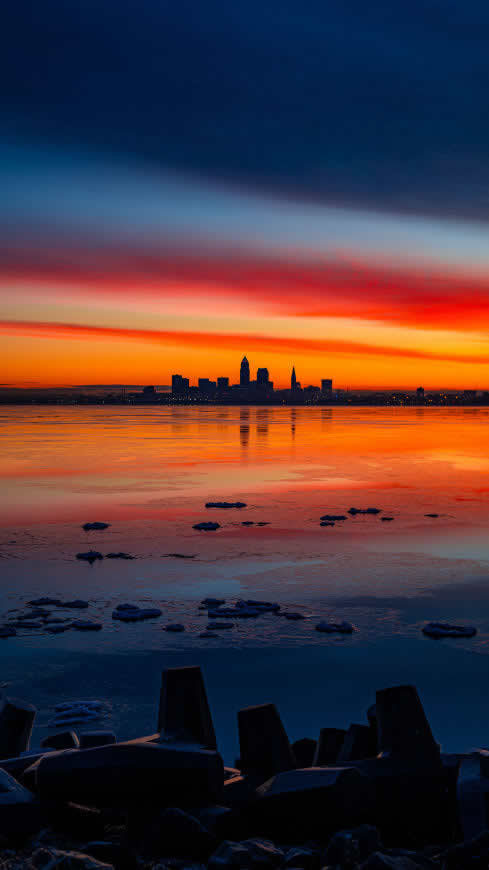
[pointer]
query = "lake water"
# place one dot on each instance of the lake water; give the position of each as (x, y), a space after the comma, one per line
(149, 472)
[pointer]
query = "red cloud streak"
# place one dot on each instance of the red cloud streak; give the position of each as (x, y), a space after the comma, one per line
(402, 296)
(227, 341)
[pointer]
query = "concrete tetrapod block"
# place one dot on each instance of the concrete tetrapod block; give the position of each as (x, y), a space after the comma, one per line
(19, 810)
(311, 803)
(473, 794)
(184, 712)
(264, 746)
(304, 751)
(89, 739)
(61, 740)
(16, 721)
(329, 744)
(402, 727)
(359, 743)
(132, 774)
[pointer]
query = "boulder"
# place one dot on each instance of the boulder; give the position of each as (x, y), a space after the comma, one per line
(86, 625)
(89, 739)
(120, 857)
(304, 751)
(335, 627)
(213, 602)
(359, 743)
(132, 774)
(433, 516)
(229, 854)
(403, 729)
(119, 556)
(44, 602)
(347, 848)
(132, 613)
(311, 803)
(174, 626)
(215, 625)
(91, 556)
(472, 796)
(326, 523)
(263, 606)
(77, 604)
(184, 711)
(208, 634)
(472, 853)
(444, 629)
(174, 832)
(263, 853)
(247, 523)
(293, 615)
(264, 746)
(239, 791)
(19, 810)
(386, 519)
(301, 857)
(74, 820)
(95, 527)
(58, 859)
(7, 631)
(353, 511)
(225, 504)
(62, 740)
(332, 518)
(16, 721)
(328, 746)
(206, 527)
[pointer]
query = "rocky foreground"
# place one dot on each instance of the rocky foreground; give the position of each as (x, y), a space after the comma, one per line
(377, 795)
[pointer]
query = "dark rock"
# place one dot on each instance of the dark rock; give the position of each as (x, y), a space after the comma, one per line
(62, 740)
(329, 744)
(348, 848)
(311, 803)
(335, 627)
(95, 527)
(26, 623)
(43, 602)
(174, 832)
(16, 721)
(89, 739)
(263, 853)
(359, 743)
(247, 523)
(239, 791)
(118, 556)
(206, 527)
(86, 625)
(225, 504)
(304, 751)
(403, 729)
(332, 518)
(433, 516)
(77, 604)
(293, 615)
(263, 606)
(230, 854)
(444, 629)
(58, 629)
(264, 523)
(264, 746)
(132, 774)
(239, 611)
(382, 861)
(132, 613)
(58, 859)
(75, 820)
(19, 810)
(213, 602)
(473, 853)
(326, 523)
(56, 620)
(213, 625)
(300, 857)
(208, 634)
(179, 556)
(472, 796)
(184, 711)
(353, 511)
(7, 631)
(120, 857)
(386, 519)
(175, 626)
(91, 556)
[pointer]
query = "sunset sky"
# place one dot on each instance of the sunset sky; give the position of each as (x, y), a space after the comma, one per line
(182, 185)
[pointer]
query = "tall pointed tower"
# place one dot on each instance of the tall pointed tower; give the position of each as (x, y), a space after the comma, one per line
(293, 380)
(244, 373)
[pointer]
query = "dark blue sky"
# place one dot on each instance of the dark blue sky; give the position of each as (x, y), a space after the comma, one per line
(383, 103)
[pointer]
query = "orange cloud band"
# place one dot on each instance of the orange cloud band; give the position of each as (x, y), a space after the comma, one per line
(227, 341)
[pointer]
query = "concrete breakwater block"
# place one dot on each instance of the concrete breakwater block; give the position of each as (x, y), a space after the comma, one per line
(131, 774)
(19, 810)
(312, 802)
(62, 740)
(402, 727)
(89, 739)
(264, 746)
(359, 743)
(328, 746)
(16, 721)
(184, 712)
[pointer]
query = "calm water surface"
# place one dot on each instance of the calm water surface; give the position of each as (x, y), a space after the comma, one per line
(149, 471)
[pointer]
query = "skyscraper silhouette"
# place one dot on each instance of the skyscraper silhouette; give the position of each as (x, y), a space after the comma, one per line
(244, 374)
(293, 380)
